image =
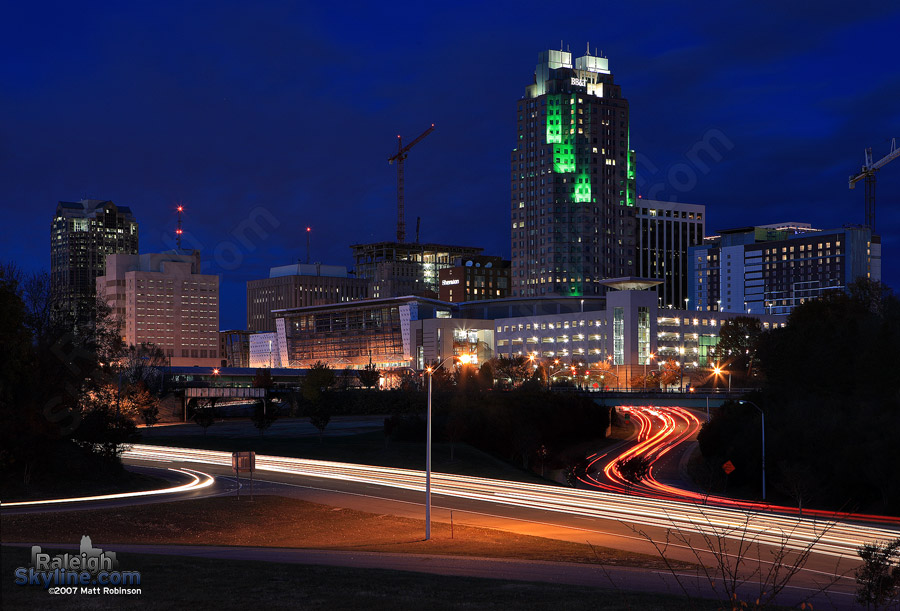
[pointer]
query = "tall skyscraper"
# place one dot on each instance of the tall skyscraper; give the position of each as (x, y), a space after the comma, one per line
(81, 236)
(572, 180)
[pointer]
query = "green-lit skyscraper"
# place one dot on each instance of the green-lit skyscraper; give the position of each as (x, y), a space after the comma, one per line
(572, 180)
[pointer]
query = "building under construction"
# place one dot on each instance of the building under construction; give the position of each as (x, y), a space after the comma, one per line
(395, 269)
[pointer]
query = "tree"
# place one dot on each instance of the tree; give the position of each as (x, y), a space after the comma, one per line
(670, 374)
(486, 373)
(144, 363)
(651, 380)
(797, 481)
(204, 417)
(319, 378)
(265, 413)
(512, 370)
(442, 379)
(467, 378)
(738, 342)
(878, 579)
(369, 375)
(634, 469)
(319, 417)
(141, 403)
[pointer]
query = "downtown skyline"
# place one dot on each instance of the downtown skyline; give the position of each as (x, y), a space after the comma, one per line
(296, 112)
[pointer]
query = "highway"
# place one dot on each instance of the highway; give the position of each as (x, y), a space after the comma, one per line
(835, 539)
(660, 431)
(612, 519)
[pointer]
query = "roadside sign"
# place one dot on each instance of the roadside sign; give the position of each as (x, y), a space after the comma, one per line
(243, 461)
(728, 467)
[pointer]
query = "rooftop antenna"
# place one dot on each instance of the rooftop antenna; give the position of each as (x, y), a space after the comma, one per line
(178, 230)
(588, 49)
(308, 230)
(560, 45)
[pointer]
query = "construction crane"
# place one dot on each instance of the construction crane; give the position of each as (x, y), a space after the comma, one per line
(400, 157)
(868, 173)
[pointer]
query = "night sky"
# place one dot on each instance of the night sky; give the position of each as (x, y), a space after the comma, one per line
(230, 107)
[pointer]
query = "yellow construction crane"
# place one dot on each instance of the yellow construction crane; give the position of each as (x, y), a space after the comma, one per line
(400, 157)
(868, 173)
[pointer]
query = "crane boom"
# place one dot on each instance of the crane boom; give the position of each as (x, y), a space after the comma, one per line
(867, 172)
(400, 157)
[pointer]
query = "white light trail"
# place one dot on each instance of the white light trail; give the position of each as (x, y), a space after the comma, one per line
(839, 538)
(198, 481)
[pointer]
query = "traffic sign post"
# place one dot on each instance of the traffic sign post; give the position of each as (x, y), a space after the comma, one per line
(243, 461)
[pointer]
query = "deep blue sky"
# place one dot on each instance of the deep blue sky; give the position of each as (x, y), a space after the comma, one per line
(230, 106)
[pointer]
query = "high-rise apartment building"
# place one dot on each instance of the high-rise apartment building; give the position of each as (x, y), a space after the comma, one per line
(163, 299)
(572, 180)
(296, 286)
(771, 269)
(665, 233)
(82, 234)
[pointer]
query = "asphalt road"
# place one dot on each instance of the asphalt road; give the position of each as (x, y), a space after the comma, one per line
(823, 569)
(616, 521)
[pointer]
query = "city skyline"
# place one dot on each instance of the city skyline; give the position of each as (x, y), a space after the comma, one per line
(225, 123)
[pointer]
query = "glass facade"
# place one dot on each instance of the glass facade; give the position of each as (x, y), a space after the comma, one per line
(618, 336)
(643, 335)
(346, 336)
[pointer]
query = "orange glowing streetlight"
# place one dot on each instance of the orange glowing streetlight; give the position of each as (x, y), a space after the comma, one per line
(464, 359)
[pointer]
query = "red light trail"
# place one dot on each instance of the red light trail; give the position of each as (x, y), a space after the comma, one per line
(659, 431)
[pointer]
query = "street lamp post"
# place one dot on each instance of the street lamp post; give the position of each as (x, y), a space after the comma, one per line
(646, 362)
(763, 414)
(465, 359)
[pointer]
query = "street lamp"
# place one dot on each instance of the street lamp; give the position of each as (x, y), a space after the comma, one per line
(763, 414)
(465, 359)
(646, 362)
(718, 371)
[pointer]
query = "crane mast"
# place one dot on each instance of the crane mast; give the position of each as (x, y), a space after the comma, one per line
(400, 157)
(867, 173)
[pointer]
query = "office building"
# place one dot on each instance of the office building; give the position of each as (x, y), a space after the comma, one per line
(474, 279)
(572, 179)
(265, 351)
(394, 269)
(665, 233)
(773, 268)
(82, 235)
(164, 299)
(631, 333)
(299, 285)
(234, 348)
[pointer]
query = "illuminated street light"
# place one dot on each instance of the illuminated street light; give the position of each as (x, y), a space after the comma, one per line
(646, 362)
(464, 359)
(763, 414)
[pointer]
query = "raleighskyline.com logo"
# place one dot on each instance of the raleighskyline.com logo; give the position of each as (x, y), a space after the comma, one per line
(90, 571)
